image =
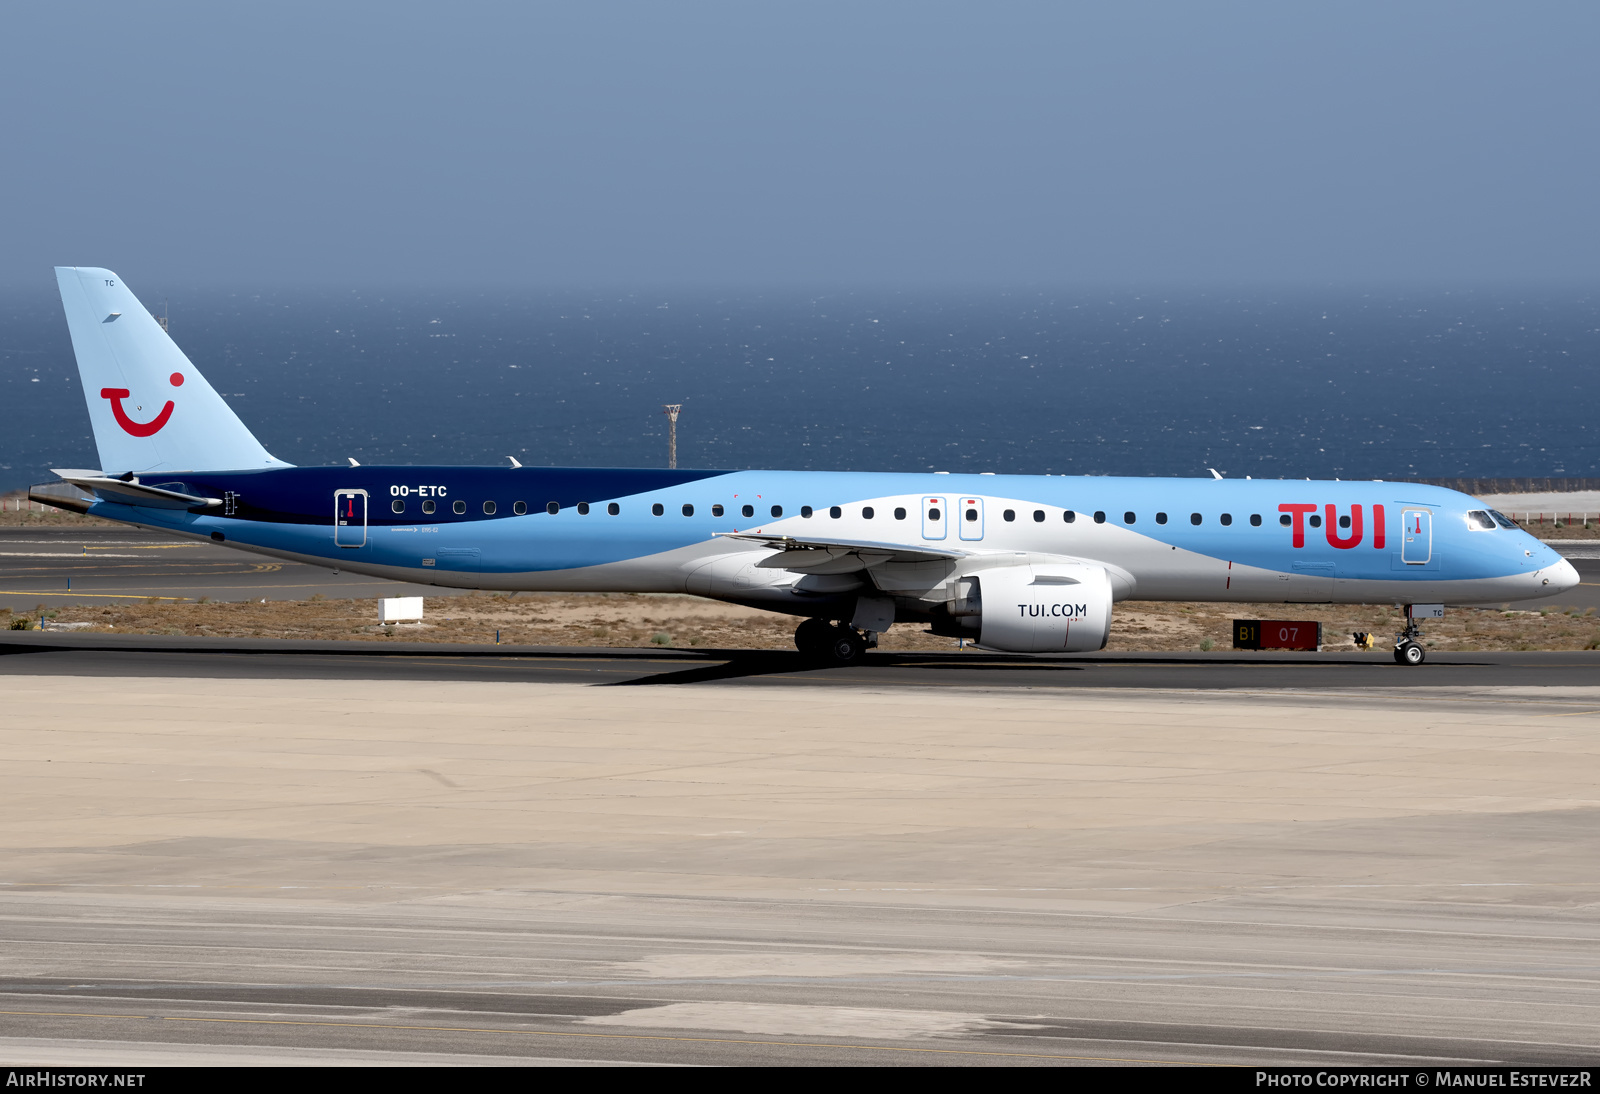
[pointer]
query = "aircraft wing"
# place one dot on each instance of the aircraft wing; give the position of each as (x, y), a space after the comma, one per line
(819, 554)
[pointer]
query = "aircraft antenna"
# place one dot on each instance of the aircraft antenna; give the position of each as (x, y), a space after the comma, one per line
(671, 411)
(162, 318)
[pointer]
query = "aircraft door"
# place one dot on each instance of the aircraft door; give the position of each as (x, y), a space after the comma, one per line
(935, 518)
(1416, 543)
(971, 514)
(350, 518)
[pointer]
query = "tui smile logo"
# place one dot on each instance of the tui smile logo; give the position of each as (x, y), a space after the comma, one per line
(131, 427)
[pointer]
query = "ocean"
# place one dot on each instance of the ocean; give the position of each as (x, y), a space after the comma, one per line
(1337, 385)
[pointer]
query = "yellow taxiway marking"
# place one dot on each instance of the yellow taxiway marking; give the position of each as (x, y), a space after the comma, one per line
(152, 596)
(609, 1036)
(98, 596)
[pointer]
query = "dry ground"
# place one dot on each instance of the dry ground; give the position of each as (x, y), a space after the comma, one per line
(633, 620)
(50, 518)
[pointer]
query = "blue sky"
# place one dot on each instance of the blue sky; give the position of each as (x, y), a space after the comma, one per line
(756, 146)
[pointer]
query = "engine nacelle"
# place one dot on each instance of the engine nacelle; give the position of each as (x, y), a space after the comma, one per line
(1040, 608)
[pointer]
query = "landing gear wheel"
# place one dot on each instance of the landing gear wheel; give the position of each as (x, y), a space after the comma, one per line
(1410, 653)
(846, 646)
(813, 637)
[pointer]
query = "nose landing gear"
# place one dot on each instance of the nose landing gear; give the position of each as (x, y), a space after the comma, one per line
(833, 643)
(1409, 653)
(1407, 650)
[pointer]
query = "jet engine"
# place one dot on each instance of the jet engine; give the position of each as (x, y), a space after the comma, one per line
(1040, 608)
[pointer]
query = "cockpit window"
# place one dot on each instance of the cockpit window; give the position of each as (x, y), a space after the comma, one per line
(1480, 519)
(1501, 519)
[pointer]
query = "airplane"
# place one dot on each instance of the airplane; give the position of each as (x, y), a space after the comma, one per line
(1014, 563)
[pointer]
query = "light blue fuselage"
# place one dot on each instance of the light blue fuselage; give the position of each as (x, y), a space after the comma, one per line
(661, 531)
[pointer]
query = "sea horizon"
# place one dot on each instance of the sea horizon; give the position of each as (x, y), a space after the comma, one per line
(1297, 383)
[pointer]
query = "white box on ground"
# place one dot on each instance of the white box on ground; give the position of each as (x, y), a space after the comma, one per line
(400, 609)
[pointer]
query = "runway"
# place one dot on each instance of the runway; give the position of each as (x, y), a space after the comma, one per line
(249, 851)
(154, 656)
(279, 866)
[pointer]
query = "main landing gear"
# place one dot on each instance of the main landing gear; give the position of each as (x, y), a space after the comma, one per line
(1407, 650)
(832, 643)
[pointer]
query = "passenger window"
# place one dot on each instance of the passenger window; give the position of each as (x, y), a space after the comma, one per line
(869, 512)
(933, 514)
(805, 511)
(777, 510)
(1315, 522)
(899, 514)
(488, 508)
(717, 510)
(613, 509)
(1009, 514)
(519, 507)
(397, 505)
(748, 510)
(657, 509)
(688, 510)
(1284, 520)
(460, 507)
(583, 508)
(1344, 521)
(551, 507)
(835, 512)
(1161, 518)
(1226, 518)
(429, 506)
(1255, 520)
(1068, 515)
(1194, 518)
(972, 516)
(1129, 518)
(1099, 517)
(1038, 516)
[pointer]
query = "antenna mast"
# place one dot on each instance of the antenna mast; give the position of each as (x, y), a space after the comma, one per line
(671, 411)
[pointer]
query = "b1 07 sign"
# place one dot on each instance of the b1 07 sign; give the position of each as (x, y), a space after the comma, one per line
(1277, 634)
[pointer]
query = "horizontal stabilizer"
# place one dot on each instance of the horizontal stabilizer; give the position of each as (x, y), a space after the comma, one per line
(62, 495)
(131, 492)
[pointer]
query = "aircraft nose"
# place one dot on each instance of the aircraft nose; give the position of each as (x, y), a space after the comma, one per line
(1562, 576)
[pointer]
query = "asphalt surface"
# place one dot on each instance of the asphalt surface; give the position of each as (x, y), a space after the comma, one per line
(47, 653)
(1435, 907)
(607, 979)
(102, 565)
(105, 565)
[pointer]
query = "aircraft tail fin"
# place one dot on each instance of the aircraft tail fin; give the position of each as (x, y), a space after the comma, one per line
(151, 409)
